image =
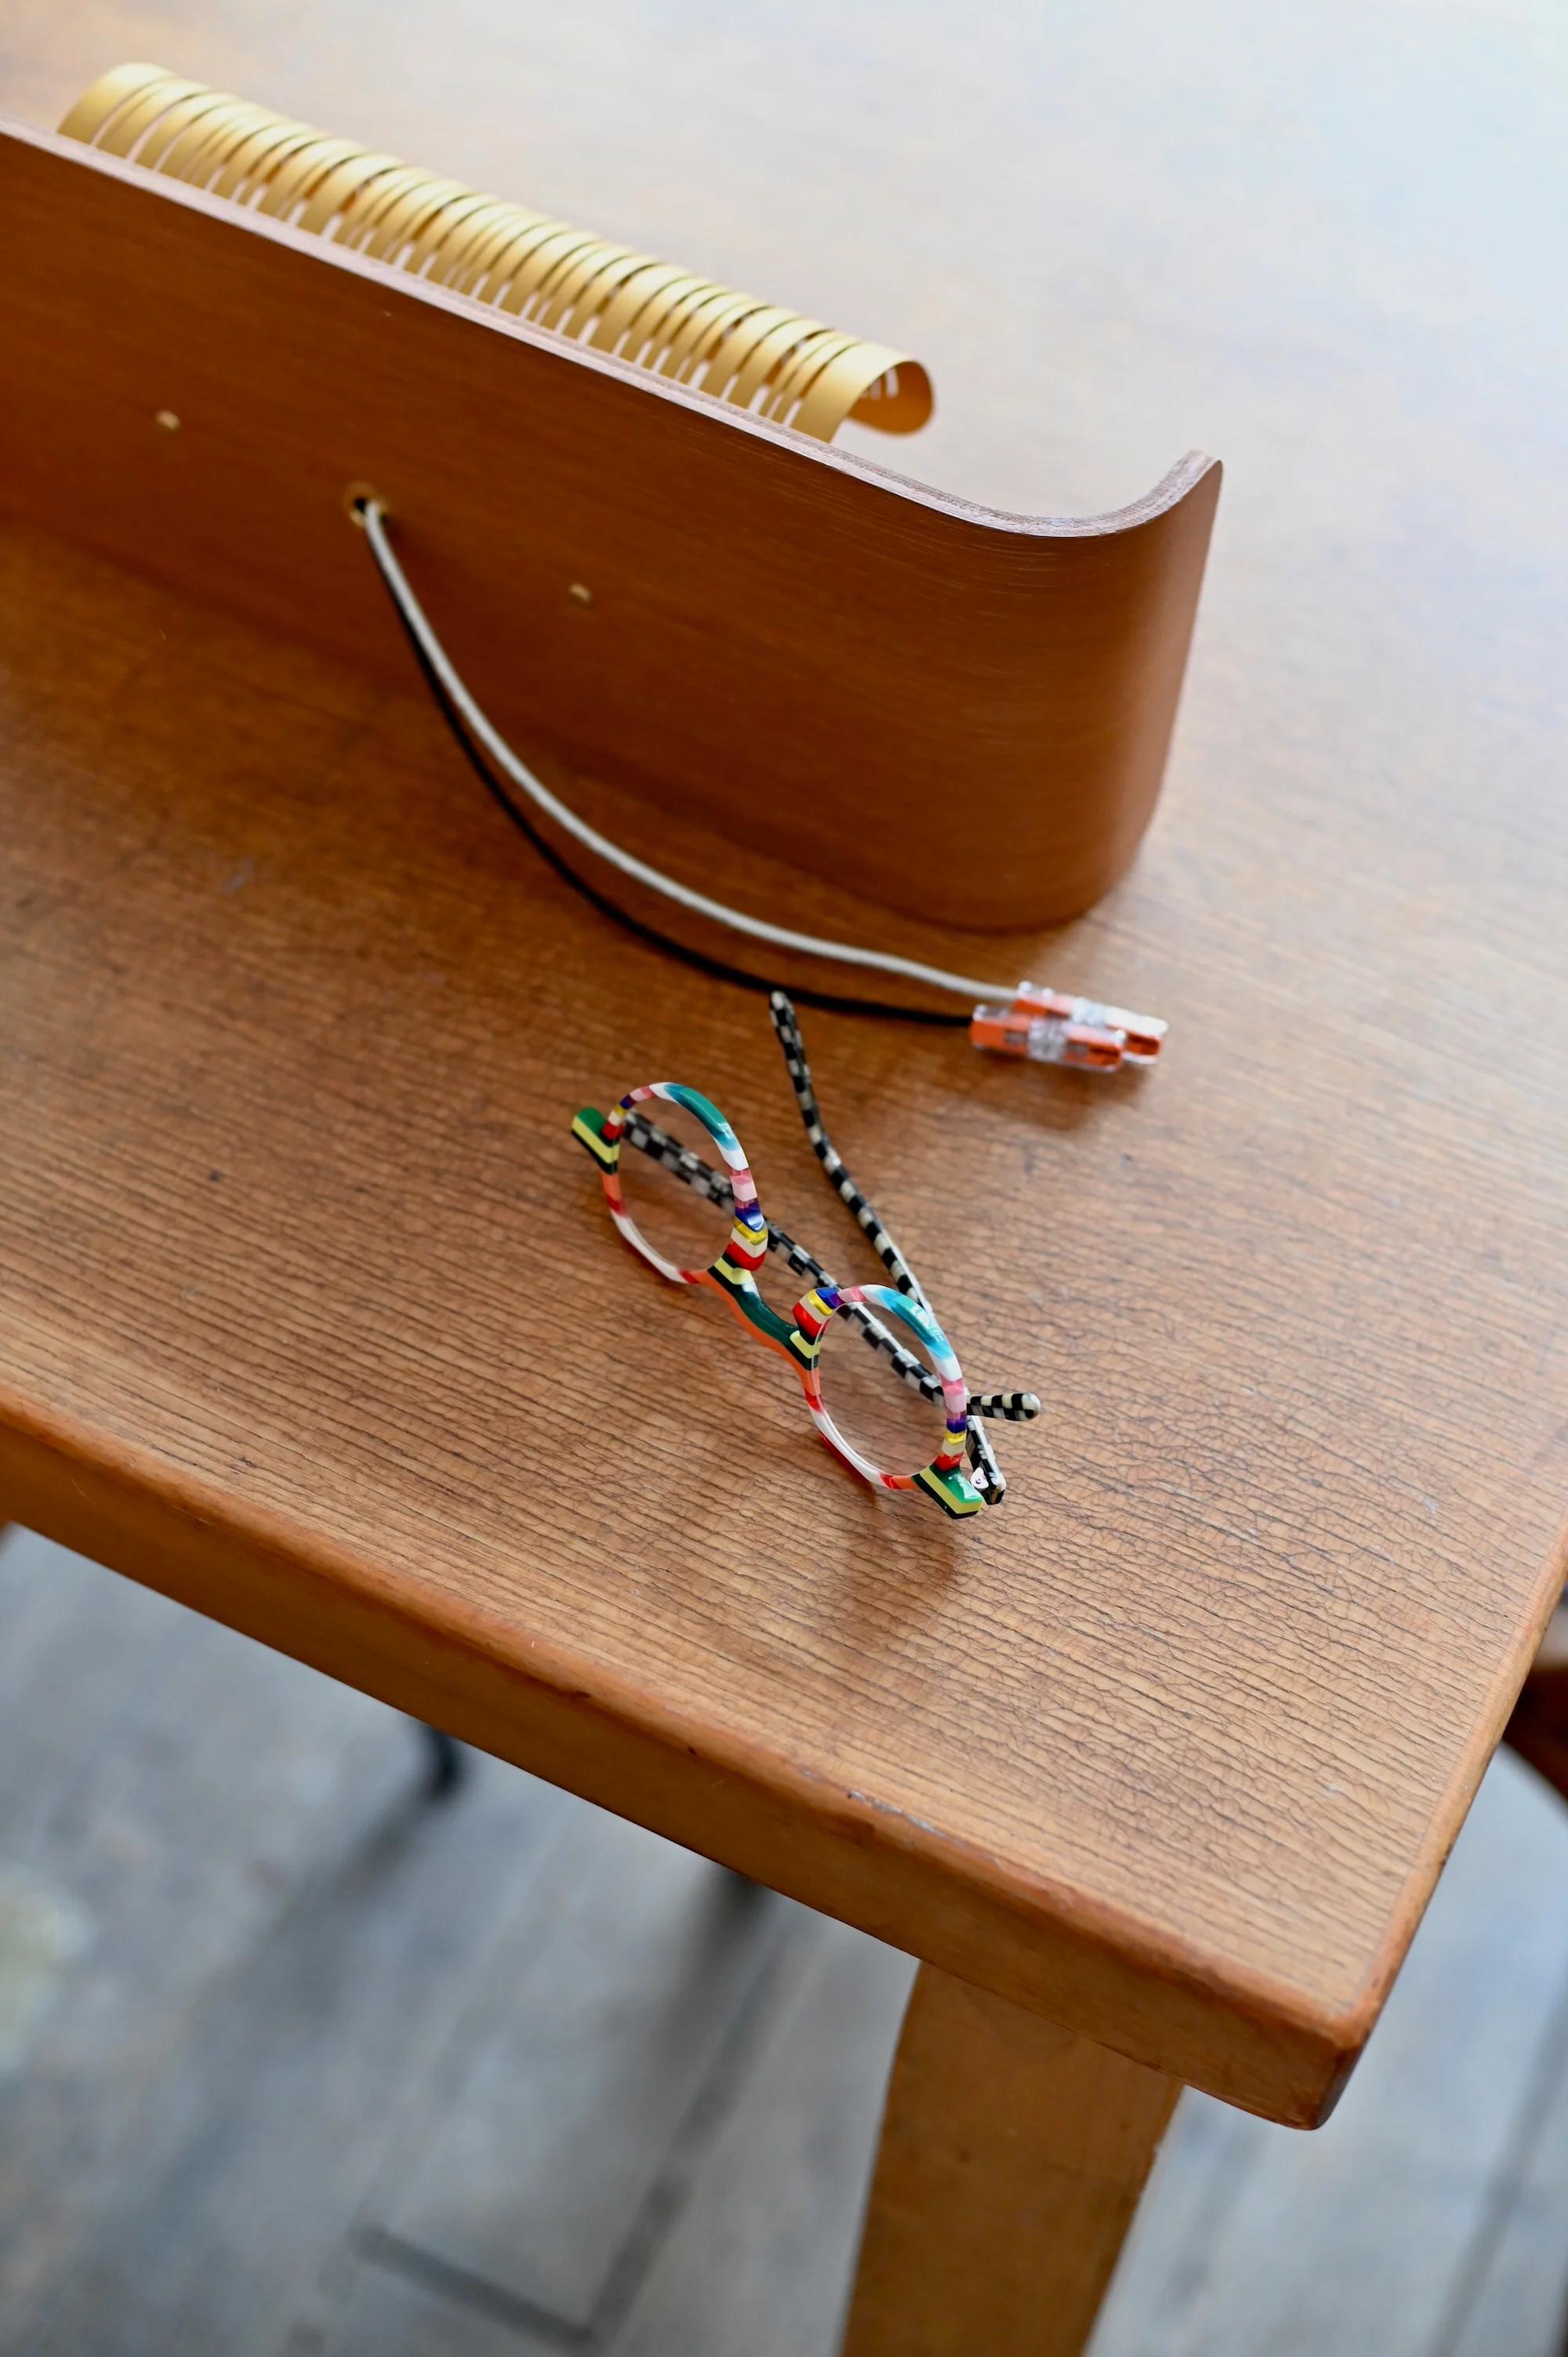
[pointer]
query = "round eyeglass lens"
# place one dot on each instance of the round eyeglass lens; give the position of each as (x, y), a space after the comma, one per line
(674, 1185)
(897, 1423)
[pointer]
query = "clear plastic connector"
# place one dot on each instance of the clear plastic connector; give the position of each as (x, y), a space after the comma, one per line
(1049, 1027)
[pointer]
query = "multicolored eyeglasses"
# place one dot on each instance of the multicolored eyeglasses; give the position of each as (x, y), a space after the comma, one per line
(798, 1336)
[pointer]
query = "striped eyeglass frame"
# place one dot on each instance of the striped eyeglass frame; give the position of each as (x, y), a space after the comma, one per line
(798, 1337)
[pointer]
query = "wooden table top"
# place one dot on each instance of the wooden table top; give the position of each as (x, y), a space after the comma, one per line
(309, 1313)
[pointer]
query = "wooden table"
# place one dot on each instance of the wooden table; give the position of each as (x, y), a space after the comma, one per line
(309, 1315)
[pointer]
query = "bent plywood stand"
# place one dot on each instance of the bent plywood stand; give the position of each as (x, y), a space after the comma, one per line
(647, 573)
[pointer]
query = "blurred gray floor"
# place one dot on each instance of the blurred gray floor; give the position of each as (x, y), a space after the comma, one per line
(293, 2064)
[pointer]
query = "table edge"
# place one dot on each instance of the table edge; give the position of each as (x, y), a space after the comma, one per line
(1096, 1969)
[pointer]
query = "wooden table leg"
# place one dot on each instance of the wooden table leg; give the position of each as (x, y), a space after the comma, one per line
(1538, 1730)
(1013, 2156)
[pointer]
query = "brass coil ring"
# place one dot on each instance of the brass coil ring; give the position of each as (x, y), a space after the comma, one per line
(589, 289)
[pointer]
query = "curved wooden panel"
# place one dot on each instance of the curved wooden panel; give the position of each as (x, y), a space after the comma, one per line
(966, 713)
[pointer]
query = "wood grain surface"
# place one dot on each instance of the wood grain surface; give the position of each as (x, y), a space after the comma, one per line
(308, 1314)
(1013, 2156)
(797, 649)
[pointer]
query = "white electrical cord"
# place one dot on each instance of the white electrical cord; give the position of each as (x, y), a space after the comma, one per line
(373, 514)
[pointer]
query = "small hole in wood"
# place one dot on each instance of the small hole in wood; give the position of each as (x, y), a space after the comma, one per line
(357, 498)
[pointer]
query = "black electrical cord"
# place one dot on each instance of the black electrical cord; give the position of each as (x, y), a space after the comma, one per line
(718, 969)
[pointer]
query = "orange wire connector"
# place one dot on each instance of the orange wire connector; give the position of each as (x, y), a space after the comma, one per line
(1049, 1027)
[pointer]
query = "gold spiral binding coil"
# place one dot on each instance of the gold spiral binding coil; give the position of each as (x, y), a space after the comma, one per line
(752, 354)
